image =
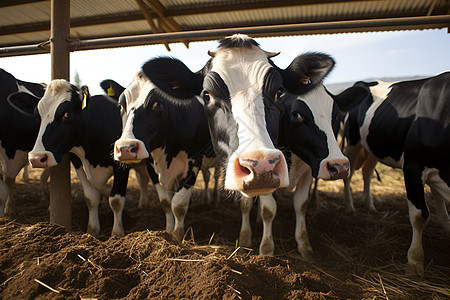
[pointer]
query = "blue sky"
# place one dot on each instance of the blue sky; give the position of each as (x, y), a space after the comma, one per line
(358, 56)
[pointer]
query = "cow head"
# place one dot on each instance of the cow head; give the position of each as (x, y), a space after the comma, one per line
(240, 89)
(57, 112)
(307, 119)
(144, 108)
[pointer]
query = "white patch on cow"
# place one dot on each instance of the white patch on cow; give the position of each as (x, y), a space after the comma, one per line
(379, 93)
(170, 175)
(243, 71)
(117, 204)
(97, 176)
(180, 204)
(57, 92)
(321, 106)
(11, 167)
(135, 95)
(22, 88)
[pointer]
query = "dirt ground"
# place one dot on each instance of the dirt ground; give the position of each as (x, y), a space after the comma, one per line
(357, 256)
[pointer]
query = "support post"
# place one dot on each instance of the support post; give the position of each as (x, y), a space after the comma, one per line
(60, 196)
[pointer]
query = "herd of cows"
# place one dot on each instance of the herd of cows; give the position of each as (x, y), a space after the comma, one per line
(266, 127)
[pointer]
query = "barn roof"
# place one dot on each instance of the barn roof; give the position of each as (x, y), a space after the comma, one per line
(27, 22)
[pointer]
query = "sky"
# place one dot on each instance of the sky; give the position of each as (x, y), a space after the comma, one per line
(358, 56)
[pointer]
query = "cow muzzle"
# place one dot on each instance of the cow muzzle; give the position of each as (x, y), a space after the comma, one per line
(335, 169)
(130, 151)
(258, 173)
(42, 159)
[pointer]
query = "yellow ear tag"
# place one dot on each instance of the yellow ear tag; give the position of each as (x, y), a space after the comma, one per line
(111, 92)
(83, 103)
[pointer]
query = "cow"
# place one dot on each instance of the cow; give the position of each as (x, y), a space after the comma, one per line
(86, 126)
(243, 93)
(18, 131)
(175, 137)
(406, 125)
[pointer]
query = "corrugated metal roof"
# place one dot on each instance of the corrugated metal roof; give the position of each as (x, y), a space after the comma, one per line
(28, 23)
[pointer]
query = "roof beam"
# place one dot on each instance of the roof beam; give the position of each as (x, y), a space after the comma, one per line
(256, 31)
(6, 3)
(149, 19)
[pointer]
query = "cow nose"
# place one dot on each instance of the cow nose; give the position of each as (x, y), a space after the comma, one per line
(260, 174)
(338, 169)
(130, 151)
(41, 160)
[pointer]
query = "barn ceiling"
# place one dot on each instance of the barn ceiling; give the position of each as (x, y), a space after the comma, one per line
(27, 22)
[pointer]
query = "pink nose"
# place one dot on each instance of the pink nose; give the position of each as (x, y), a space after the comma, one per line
(337, 169)
(130, 151)
(261, 175)
(40, 161)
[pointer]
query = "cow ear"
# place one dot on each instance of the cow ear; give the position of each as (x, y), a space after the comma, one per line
(23, 102)
(306, 72)
(174, 78)
(112, 88)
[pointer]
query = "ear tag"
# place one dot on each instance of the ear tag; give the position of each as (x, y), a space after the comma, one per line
(83, 103)
(111, 92)
(305, 80)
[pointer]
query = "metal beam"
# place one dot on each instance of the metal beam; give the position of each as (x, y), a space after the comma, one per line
(259, 31)
(6, 3)
(60, 196)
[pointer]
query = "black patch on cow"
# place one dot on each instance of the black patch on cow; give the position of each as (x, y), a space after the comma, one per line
(119, 186)
(160, 123)
(387, 132)
(304, 138)
(18, 131)
(272, 97)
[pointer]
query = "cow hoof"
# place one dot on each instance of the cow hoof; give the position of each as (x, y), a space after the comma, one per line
(94, 231)
(307, 254)
(118, 233)
(9, 211)
(266, 248)
(178, 234)
(414, 269)
(245, 239)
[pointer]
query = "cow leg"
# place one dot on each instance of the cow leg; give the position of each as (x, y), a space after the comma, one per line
(352, 154)
(300, 207)
(206, 193)
(10, 204)
(92, 201)
(45, 193)
(268, 212)
(3, 196)
(143, 179)
(25, 174)
(367, 171)
(166, 204)
(441, 195)
(117, 198)
(216, 193)
(245, 235)
(419, 213)
(164, 198)
(180, 204)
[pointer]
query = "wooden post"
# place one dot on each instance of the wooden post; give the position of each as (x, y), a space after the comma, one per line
(60, 196)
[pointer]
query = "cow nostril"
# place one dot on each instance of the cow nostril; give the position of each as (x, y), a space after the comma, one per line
(245, 170)
(333, 170)
(43, 158)
(134, 148)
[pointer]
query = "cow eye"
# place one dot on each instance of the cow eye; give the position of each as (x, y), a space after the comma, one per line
(296, 116)
(65, 116)
(278, 94)
(206, 97)
(156, 105)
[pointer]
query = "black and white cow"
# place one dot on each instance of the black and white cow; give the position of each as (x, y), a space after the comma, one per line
(243, 95)
(175, 137)
(71, 121)
(406, 125)
(18, 132)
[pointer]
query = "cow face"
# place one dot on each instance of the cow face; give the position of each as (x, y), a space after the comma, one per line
(239, 88)
(57, 112)
(307, 119)
(142, 107)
